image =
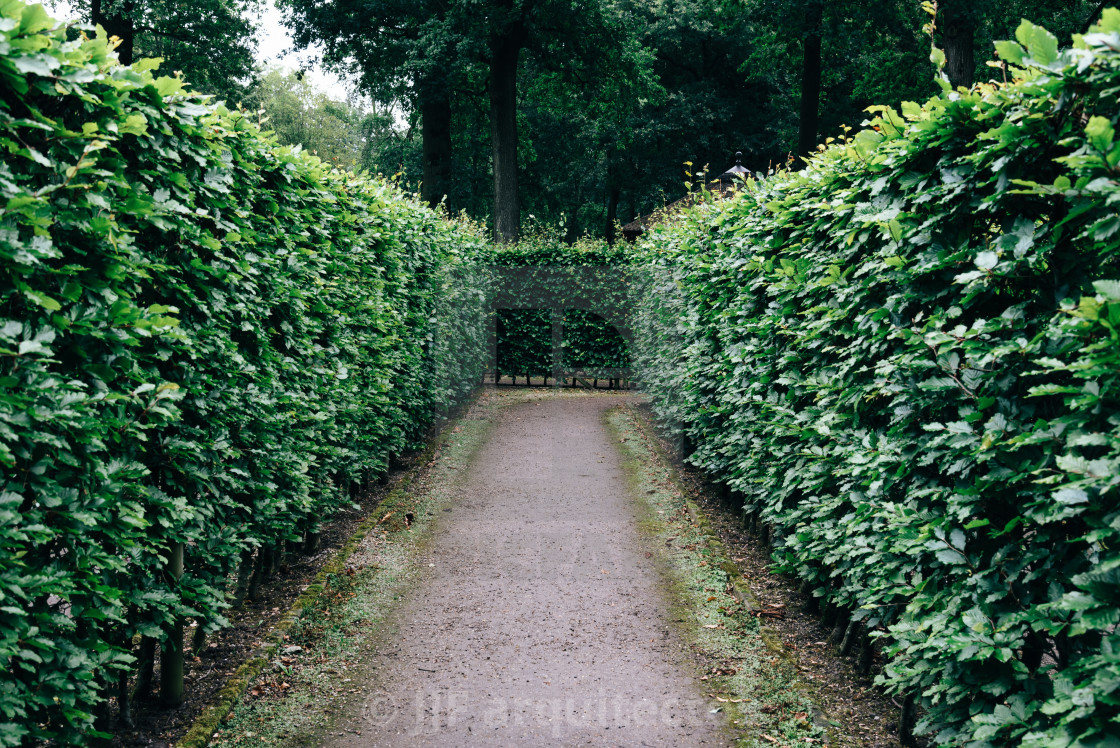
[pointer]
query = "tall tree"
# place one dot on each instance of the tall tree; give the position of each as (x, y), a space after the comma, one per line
(956, 22)
(508, 33)
(212, 42)
(846, 56)
(810, 77)
(422, 54)
(580, 102)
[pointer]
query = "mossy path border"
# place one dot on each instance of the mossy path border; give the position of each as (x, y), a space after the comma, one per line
(751, 676)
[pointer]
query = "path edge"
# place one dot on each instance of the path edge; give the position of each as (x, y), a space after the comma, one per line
(202, 729)
(741, 591)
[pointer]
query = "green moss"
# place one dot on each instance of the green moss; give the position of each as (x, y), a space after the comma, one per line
(749, 676)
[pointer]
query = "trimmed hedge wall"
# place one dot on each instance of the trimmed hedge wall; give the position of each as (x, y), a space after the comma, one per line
(906, 359)
(588, 280)
(207, 340)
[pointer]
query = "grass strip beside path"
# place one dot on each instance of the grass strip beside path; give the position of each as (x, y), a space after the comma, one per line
(748, 675)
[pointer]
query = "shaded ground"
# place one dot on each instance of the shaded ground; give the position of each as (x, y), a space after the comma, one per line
(541, 618)
(860, 715)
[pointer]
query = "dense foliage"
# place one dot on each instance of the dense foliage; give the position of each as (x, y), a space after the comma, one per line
(207, 339)
(905, 359)
(585, 284)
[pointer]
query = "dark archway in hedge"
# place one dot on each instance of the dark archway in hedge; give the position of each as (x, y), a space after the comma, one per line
(563, 322)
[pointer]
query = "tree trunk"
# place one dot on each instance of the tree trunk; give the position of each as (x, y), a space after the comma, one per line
(1093, 16)
(145, 668)
(505, 50)
(244, 574)
(124, 702)
(435, 123)
(117, 19)
(906, 721)
(810, 79)
(957, 38)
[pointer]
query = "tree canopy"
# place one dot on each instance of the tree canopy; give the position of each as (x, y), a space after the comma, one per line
(212, 42)
(582, 113)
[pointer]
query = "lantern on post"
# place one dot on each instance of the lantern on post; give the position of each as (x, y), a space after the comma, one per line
(738, 172)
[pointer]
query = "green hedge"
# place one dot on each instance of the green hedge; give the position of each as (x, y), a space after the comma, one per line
(906, 359)
(587, 280)
(206, 339)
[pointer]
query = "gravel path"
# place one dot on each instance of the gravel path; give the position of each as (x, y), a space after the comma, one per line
(542, 618)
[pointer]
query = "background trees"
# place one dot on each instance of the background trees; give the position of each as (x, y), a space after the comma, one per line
(965, 29)
(403, 54)
(579, 113)
(336, 131)
(210, 41)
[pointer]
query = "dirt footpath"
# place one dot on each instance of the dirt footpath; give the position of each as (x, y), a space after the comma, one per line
(541, 618)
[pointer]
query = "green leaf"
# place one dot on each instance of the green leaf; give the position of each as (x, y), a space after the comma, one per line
(43, 300)
(1109, 21)
(36, 65)
(1100, 133)
(134, 124)
(34, 20)
(1109, 289)
(987, 260)
(1070, 496)
(1041, 45)
(1010, 52)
